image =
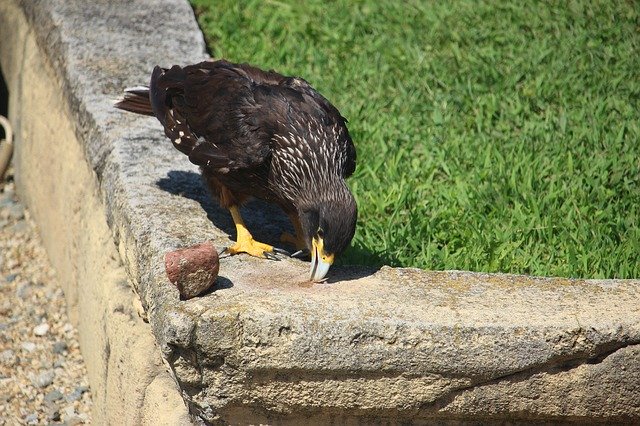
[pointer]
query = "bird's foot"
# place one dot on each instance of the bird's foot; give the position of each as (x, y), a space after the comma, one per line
(257, 249)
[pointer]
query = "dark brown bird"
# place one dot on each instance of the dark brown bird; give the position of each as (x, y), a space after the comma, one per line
(259, 134)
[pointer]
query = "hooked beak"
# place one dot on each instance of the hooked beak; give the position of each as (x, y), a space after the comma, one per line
(320, 261)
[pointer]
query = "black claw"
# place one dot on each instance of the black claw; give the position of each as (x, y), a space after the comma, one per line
(224, 250)
(271, 256)
(301, 254)
(281, 251)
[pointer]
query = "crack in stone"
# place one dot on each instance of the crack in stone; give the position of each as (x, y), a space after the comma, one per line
(554, 365)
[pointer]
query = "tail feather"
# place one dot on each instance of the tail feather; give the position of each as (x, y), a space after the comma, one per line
(136, 99)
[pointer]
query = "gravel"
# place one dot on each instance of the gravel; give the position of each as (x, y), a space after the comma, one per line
(43, 379)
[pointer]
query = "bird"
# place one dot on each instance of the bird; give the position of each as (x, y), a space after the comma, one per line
(260, 134)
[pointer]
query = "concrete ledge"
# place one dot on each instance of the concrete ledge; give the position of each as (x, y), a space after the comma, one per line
(393, 345)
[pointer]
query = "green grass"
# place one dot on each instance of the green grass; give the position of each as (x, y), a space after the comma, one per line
(491, 136)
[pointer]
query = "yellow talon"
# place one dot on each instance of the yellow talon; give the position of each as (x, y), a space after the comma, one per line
(244, 241)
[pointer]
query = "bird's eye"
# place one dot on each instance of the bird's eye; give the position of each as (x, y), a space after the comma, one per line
(320, 233)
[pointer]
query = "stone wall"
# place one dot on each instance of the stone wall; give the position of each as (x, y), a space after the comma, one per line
(111, 196)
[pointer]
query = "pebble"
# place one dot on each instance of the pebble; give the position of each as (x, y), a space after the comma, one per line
(69, 411)
(73, 420)
(6, 200)
(23, 291)
(54, 395)
(77, 393)
(16, 212)
(28, 346)
(59, 347)
(41, 329)
(31, 419)
(53, 414)
(20, 227)
(37, 376)
(8, 357)
(44, 379)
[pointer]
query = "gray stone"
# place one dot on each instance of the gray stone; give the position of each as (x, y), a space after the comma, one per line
(10, 278)
(59, 347)
(394, 345)
(23, 290)
(16, 212)
(77, 393)
(6, 200)
(44, 379)
(31, 419)
(54, 395)
(53, 414)
(20, 227)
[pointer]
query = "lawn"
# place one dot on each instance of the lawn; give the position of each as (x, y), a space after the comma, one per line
(491, 136)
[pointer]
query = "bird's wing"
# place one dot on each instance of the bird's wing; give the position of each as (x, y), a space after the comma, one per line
(224, 115)
(207, 112)
(294, 101)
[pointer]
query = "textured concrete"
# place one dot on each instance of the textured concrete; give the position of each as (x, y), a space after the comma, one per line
(393, 345)
(128, 378)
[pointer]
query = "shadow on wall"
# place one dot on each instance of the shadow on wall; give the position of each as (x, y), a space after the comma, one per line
(4, 101)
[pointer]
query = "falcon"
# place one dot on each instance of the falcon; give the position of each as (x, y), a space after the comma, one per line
(260, 134)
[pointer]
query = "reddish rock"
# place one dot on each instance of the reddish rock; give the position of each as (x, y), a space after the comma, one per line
(192, 270)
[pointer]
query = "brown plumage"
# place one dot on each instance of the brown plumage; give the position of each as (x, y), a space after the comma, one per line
(260, 134)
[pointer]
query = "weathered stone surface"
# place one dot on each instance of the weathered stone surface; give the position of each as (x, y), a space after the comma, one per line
(398, 345)
(58, 184)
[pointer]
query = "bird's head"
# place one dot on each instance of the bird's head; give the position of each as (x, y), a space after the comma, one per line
(328, 224)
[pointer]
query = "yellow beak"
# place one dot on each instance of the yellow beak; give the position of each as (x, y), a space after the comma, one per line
(320, 261)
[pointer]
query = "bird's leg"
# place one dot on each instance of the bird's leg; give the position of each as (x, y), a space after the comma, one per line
(245, 242)
(296, 240)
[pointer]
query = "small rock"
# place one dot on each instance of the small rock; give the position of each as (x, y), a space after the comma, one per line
(20, 227)
(31, 419)
(16, 212)
(41, 329)
(23, 290)
(53, 414)
(59, 347)
(69, 410)
(44, 379)
(10, 278)
(8, 357)
(193, 270)
(3, 222)
(54, 395)
(6, 200)
(28, 346)
(73, 420)
(77, 393)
